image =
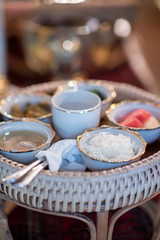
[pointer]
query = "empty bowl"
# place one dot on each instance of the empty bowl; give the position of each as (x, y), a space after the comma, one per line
(142, 117)
(22, 140)
(74, 111)
(108, 147)
(17, 107)
(104, 90)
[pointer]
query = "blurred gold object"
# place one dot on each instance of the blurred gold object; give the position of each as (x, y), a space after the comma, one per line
(100, 55)
(3, 86)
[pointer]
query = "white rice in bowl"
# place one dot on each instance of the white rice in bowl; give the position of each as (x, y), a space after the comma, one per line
(110, 147)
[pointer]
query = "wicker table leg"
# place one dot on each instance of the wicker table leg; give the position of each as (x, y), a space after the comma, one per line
(4, 229)
(102, 225)
(145, 204)
(78, 216)
(84, 219)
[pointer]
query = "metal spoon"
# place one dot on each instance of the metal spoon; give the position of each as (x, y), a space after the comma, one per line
(22, 173)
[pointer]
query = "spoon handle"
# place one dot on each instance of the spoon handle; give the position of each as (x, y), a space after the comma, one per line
(12, 178)
(31, 175)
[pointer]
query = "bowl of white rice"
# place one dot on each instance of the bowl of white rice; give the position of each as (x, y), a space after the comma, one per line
(108, 147)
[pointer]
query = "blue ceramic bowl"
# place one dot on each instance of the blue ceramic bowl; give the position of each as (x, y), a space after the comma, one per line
(24, 150)
(116, 111)
(98, 163)
(104, 90)
(21, 100)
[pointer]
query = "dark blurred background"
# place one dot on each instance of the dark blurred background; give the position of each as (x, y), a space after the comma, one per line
(109, 54)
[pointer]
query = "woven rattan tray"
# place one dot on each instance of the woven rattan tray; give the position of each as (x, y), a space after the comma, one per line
(90, 191)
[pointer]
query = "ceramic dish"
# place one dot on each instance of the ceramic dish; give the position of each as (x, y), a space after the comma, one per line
(105, 91)
(21, 101)
(22, 140)
(75, 111)
(119, 110)
(109, 153)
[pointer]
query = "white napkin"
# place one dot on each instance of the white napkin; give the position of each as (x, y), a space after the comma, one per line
(63, 155)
